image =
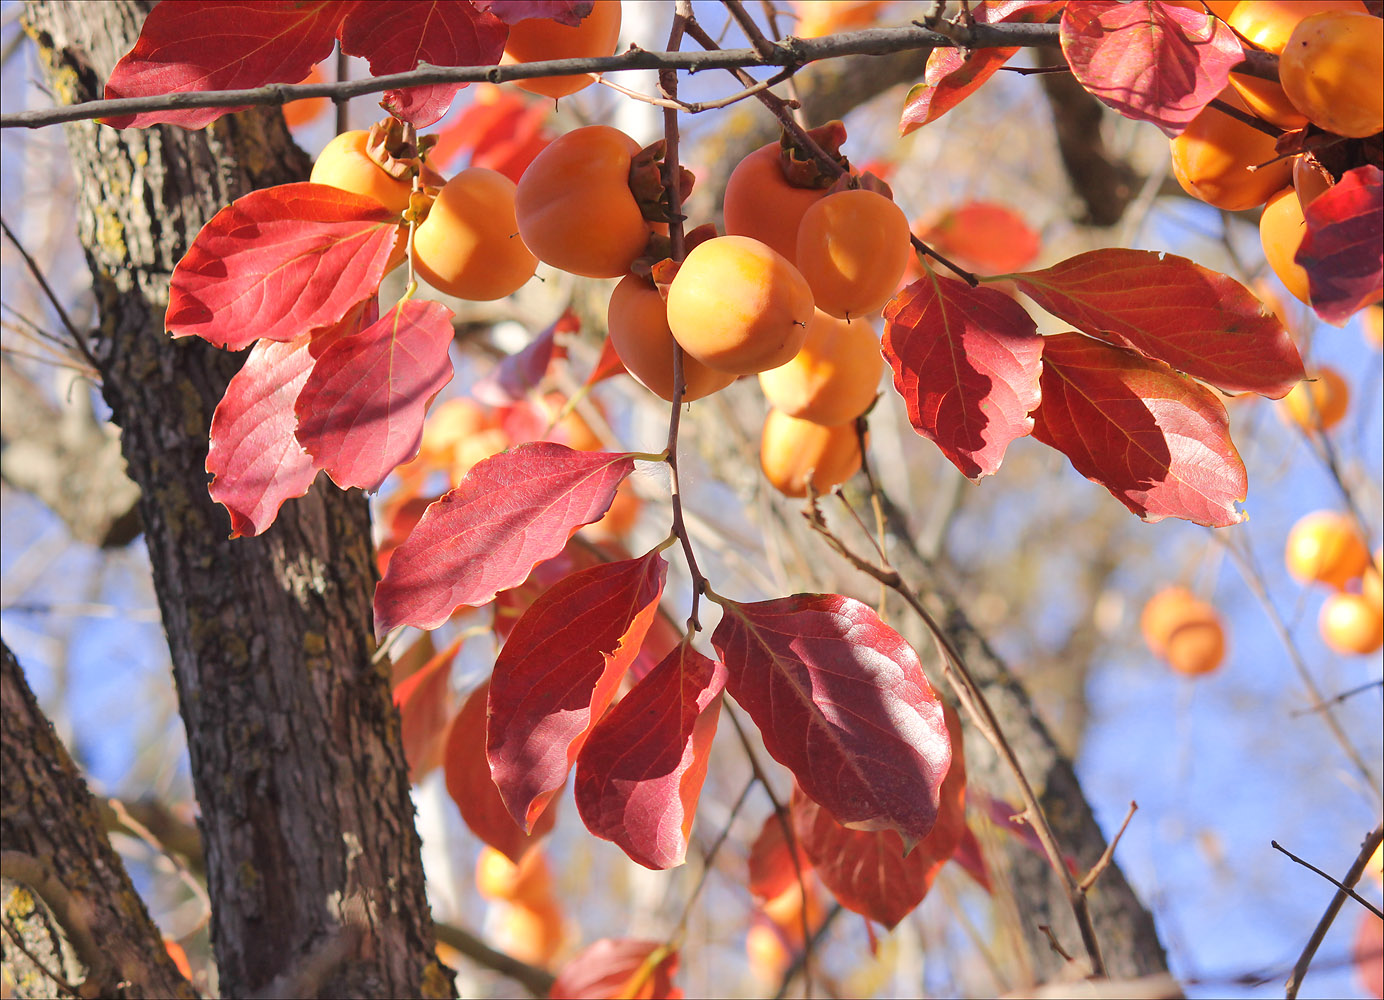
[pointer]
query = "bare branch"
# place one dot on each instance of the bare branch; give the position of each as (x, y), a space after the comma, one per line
(1367, 849)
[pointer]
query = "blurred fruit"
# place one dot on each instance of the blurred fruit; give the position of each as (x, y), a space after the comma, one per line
(179, 956)
(766, 951)
(852, 249)
(299, 113)
(738, 306)
(344, 164)
(1221, 8)
(824, 17)
(1184, 631)
(1373, 323)
(538, 39)
(532, 934)
(476, 449)
(1375, 866)
(449, 423)
(788, 909)
(1332, 70)
(574, 205)
(570, 428)
(499, 878)
(637, 318)
(791, 450)
(1281, 229)
(1325, 547)
(1318, 402)
(834, 376)
(1213, 156)
(1372, 584)
(1351, 624)
(469, 244)
(1269, 24)
(759, 202)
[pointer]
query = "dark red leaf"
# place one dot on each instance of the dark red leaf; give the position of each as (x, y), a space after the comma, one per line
(1343, 249)
(423, 711)
(220, 45)
(952, 74)
(1154, 438)
(968, 855)
(520, 373)
(1166, 307)
(841, 701)
(984, 236)
(559, 671)
(623, 969)
(512, 511)
(361, 412)
(641, 771)
(279, 263)
(1150, 61)
(772, 869)
(469, 784)
(568, 12)
(965, 361)
(395, 37)
(868, 872)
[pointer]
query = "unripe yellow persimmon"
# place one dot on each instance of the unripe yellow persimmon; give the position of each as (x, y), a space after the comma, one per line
(1269, 24)
(469, 245)
(833, 377)
(853, 247)
(1333, 71)
(1281, 229)
(637, 318)
(737, 306)
(538, 39)
(793, 452)
(1318, 402)
(760, 203)
(1351, 624)
(1213, 156)
(574, 205)
(1325, 547)
(344, 164)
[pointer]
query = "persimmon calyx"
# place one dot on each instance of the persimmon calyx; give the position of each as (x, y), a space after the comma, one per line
(395, 148)
(660, 248)
(646, 182)
(800, 169)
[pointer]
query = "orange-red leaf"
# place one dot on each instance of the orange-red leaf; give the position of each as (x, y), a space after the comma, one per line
(772, 867)
(983, 236)
(623, 969)
(423, 711)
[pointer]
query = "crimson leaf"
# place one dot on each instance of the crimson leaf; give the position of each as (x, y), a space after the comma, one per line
(619, 968)
(1343, 249)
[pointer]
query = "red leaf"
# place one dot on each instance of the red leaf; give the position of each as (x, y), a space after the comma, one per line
(952, 75)
(868, 872)
(1155, 439)
(608, 365)
(278, 263)
(772, 870)
(520, 373)
(1168, 308)
(985, 236)
(841, 701)
(220, 45)
(1149, 61)
(971, 860)
(423, 711)
(1006, 817)
(397, 36)
(473, 790)
(559, 671)
(623, 969)
(641, 771)
(361, 412)
(501, 130)
(965, 361)
(1343, 249)
(568, 12)
(512, 511)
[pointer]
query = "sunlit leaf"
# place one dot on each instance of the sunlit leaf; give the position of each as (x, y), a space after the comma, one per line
(1343, 249)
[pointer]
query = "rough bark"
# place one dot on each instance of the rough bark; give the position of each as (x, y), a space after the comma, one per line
(296, 760)
(67, 894)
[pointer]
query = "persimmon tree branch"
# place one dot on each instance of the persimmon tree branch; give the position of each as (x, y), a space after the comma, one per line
(1357, 868)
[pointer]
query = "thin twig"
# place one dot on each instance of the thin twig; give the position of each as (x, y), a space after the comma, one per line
(710, 856)
(538, 982)
(810, 944)
(1367, 850)
(1336, 699)
(17, 940)
(1339, 885)
(1107, 855)
(52, 297)
(71, 910)
(771, 14)
(185, 876)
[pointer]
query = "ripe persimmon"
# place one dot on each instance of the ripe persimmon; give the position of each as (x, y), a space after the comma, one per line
(344, 164)
(538, 39)
(1373, 323)
(759, 202)
(1269, 24)
(738, 306)
(1184, 631)
(1213, 156)
(852, 248)
(1351, 624)
(1332, 70)
(574, 205)
(1325, 547)
(499, 878)
(1281, 229)
(301, 112)
(637, 318)
(1319, 402)
(793, 452)
(469, 245)
(833, 377)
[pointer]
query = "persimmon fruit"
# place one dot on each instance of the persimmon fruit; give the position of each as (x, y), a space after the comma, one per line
(538, 39)
(1281, 229)
(853, 247)
(1350, 624)
(759, 202)
(574, 205)
(469, 245)
(637, 319)
(1319, 402)
(738, 306)
(301, 112)
(499, 878)
(1184, 631)
(834, 376)
(1213, 155)
(345, 165)
(794, 452)
(1325, 547)
(1373, 323)
(1332, 70)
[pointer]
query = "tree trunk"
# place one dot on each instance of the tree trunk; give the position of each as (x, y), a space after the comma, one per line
(312, 858)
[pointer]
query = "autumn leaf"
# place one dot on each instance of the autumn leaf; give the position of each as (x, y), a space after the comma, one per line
(773, 870)
(841, 701)
(622, 968)
(422, 700)
(521, 372)
(568, 12)
(1343, 248)
(1159, 442)
(965, 361)
(983, 236)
